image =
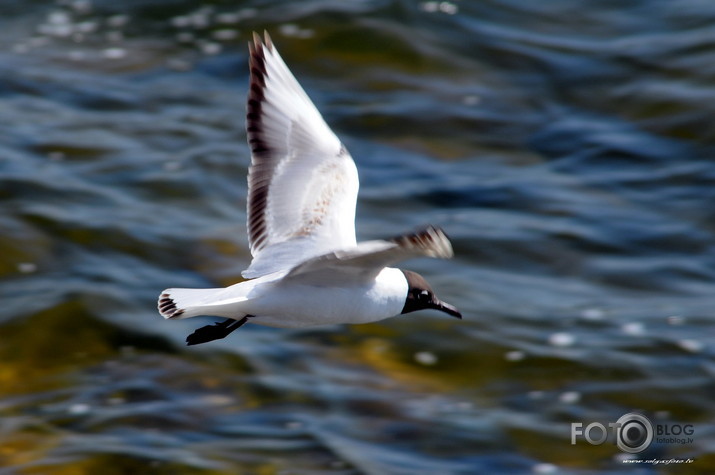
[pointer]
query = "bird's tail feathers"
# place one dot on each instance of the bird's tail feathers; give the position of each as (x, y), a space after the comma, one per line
(186, 303)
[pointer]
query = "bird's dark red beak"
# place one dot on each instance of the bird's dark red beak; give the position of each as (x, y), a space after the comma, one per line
(450, 310)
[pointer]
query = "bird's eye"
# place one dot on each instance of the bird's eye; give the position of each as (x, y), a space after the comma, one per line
(423, 296)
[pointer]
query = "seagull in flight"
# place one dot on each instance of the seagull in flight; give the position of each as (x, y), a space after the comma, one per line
(307, 268)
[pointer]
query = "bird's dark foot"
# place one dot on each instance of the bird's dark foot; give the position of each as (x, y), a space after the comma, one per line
(215, 332)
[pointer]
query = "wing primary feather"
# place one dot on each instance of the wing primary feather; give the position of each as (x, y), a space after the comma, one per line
(365, 261)
(430, 241)
(302, 182)
(258, 182)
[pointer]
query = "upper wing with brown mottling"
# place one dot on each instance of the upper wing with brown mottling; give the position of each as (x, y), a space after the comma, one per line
(302, 183)
(363, 262)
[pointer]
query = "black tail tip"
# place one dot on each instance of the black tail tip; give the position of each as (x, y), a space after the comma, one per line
(167, 307)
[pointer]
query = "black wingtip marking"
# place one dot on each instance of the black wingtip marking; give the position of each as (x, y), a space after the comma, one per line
(260, 148)
(431, 241)
(420, 238)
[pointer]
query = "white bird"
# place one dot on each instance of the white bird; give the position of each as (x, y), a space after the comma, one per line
(307, 267)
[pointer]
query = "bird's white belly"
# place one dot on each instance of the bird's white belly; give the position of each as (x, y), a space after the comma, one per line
(297, 305)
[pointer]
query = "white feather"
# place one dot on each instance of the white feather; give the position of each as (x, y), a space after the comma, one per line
(311, 180)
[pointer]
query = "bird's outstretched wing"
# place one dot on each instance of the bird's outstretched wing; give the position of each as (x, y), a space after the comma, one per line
(362, 263)
(302, 183)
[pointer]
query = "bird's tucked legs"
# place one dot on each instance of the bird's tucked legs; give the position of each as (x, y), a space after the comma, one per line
(216, 331)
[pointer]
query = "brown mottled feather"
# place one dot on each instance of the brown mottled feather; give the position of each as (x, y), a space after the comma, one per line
(261, 167)
(430, 241)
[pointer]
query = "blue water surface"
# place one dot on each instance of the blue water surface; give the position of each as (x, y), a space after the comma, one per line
(566, 147)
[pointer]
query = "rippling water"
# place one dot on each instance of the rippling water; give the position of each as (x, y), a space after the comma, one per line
(565, 146)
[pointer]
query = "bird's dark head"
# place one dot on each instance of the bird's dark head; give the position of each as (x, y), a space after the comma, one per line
(421, 296)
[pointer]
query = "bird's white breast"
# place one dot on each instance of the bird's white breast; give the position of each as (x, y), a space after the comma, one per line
(298, 305)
